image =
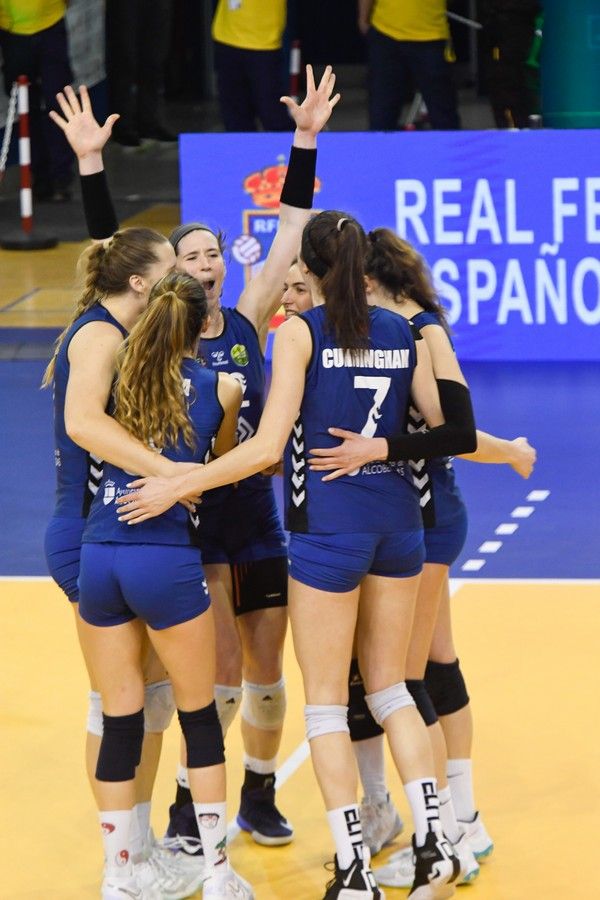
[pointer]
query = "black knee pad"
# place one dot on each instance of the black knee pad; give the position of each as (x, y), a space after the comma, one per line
(121, 747)
(203, 737)
(422, 700)
(446, 687)
(360, 721)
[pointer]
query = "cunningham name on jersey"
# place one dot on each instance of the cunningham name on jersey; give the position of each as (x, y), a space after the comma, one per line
(336, 358)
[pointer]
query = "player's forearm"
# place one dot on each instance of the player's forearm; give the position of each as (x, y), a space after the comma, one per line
(110, 442)
(245, 460)
(491, 449)
(98, 208)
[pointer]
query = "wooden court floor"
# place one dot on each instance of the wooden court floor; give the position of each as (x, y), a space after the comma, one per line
(530, 655)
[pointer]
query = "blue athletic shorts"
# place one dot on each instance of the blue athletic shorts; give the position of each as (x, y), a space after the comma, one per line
(161, 584)
(339, 562)
(443, 543)
(244, 528)
(62, 546)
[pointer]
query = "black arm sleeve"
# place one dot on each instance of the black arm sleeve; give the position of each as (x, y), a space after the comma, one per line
(456, 436)
(299, 185)
(98, 208)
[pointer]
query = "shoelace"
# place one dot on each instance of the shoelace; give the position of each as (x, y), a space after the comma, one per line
(190, 845)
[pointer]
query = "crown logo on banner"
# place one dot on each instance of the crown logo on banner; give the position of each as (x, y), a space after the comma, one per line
(265, 185)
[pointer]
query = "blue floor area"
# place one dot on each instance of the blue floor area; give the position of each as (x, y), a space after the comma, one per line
(555, 405)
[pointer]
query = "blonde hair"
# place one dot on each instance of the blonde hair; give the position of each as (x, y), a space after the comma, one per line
(106, 269)
(149, 398)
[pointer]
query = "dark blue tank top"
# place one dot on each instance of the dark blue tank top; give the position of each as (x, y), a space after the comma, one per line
(237, 351)
(365, 391)
(176, 525)
(439, 496)
(78, 473)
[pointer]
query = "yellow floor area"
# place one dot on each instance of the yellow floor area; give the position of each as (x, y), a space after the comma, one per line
(529, 653)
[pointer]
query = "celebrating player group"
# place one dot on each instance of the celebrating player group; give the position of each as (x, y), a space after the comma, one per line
(167, 541)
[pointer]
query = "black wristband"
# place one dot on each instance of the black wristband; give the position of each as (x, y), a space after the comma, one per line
(299, 185)
(456, 436)
(98, 208)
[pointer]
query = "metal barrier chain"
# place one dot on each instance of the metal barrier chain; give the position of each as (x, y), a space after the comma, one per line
(10, 118)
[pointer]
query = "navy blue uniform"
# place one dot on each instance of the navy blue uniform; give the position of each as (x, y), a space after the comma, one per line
(239, 525)
(160, 577)
(78, 473)
(442, 506)
(369, 521)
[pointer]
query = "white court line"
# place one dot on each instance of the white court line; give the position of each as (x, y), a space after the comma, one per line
(506, 528)
(537, 495)
(459, 582)
(490, 547)
(522, 512)
(25, 578)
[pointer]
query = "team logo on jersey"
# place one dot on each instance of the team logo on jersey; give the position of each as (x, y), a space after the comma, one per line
(218, 358)
(239, 355)
(57, 459)
(122, 858)
(259, 225)
(109, 492)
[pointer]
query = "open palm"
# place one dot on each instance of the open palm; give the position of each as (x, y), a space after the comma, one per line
(78, 124)
(314, 111)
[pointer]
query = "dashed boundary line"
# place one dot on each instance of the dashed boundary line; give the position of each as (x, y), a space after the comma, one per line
(504, 529)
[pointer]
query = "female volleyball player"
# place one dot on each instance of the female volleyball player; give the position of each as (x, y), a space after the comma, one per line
(398, 281)
(243, 545)
(342, 359)
(153, 575)
(119, 274)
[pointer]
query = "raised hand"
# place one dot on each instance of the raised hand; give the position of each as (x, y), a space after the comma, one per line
(313, 113)
(82, 131)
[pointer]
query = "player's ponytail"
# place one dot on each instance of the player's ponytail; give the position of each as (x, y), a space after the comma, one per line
(333, 248)
(149, 396)
(401, 271)
(105, 268)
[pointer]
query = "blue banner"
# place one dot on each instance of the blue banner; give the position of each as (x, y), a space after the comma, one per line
(509, 222)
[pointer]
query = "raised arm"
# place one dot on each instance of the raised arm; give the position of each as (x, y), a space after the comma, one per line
(87, 139)
(262, 296)
(291, 353)
(92, 357)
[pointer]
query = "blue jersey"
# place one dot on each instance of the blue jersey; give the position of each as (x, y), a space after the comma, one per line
(237, 351)
(365, 391)
(440, 498)
(176, 525)
(78, 473)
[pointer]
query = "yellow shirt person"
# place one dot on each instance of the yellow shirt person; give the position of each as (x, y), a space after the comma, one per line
(30, 16)
(250, 24)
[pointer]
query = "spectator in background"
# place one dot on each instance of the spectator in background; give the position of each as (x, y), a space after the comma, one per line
(137, 45)
(33, 41)
(406, 46)
(512, 77)
(247, 38)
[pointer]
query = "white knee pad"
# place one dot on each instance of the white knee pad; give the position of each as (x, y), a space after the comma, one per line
(383, 703)
(94, 716)
(159, 706)
(227, 699)
(325, 720)
(263, 705)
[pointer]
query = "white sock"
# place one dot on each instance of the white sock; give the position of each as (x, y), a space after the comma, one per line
(115, 825)
(260, 766)
(448, 816)
(182, 777)
(212, 825)
(460, 779)
(424, 805)
(371, 767)
(347, 834)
